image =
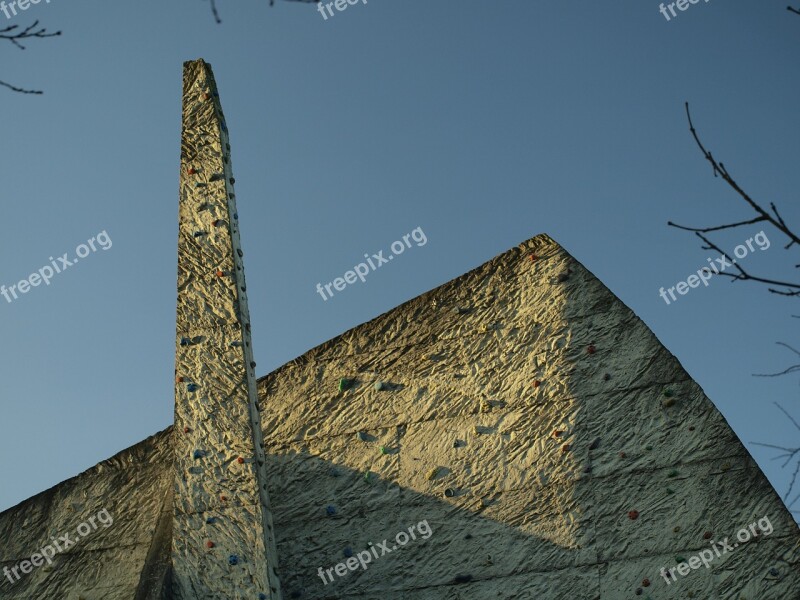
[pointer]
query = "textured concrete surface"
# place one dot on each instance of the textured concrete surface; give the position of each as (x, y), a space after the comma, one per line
(550, 446)
(223, 545)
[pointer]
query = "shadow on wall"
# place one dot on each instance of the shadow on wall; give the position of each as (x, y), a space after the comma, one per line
(553, 446)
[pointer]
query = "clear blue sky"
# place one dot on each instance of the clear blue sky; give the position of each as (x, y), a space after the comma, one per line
(484, 123)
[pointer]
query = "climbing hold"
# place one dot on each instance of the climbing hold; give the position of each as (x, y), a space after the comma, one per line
(680, 559)
(676, 529)
(536, 383)
(668, 393)
(367, 476)
(668, 402)
(348, 552)
(707, 535)
(223, 498)
(224, 127)
(236, 216)
(192, 387)
(774, 572)
(622, 455)
(691, 427)
(209, 544)
(645, 582)
(185, 430)
(566, 448)
(233, 559)
(726, 466)
(591, 349)
(198, 234)
(533, 257)
(672, 473)
(462, 579)
(638, 591)
(345, 384)
(185, 341)
(587, 470)
(633, 515)
(558, 433)
(363, 436)
(215, 222)
(191, 171)
(606, 377)
(211, 520)
(239, 252)
(433, 473)
(240, 460)
(199, 454)
(220, 273)
(179, 379)
(648, 447)
(262, 597)
(330, 510)
(199, 184)
(595, 444)
(232, 180)
(236, 344)
(384, 450)
(459, 444)
(670, 491)
(378, 385)
(333, 472)
(449, 493)
(253, 364)
(216, 177)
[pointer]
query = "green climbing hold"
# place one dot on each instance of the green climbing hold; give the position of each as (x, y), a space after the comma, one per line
(672, 473)
(384, 450)
(670, 491)
(668, 393)
(679, 559)
(345, 384)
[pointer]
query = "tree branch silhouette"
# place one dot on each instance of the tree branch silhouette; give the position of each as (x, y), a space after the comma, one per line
(16, 36)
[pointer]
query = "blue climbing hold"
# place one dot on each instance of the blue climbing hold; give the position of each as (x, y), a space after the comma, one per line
(233, 559)
(199, 233)
(211, 520)
(331, 510)
(362, 436)
(236, 216)
(185, 341)
(223, 125)
(262, 597)
(198, 454)
(192, 387)
(348, 552)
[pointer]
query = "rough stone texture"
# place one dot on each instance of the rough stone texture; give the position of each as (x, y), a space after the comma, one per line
(541, 478)
(106, 564)
(521, 411)
(223, 546)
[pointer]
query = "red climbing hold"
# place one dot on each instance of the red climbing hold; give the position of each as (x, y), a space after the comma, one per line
(557, 433)
(215, 222)
(209, 544)
(191, 171)
(223, 498)
(566, 448)
(645, 582)
(533, 257)
(179, 379)
(707, 535)
(220, 273)
(185, 430)
(240, 460)
(591, 349)
(622, 455)
(537, 383)
(633, 515)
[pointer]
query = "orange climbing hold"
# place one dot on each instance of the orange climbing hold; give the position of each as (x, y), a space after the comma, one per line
(191, 171)
(185, 430)
(209, 544)
(223, 498)
(220, 273)
(240, 460)
(557, 433)
(536, 383)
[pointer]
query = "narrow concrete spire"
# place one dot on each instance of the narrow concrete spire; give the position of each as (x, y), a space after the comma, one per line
(223, 542)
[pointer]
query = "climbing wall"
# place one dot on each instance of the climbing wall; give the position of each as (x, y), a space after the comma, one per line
(223, 544)
(120, 558)
(555, 449)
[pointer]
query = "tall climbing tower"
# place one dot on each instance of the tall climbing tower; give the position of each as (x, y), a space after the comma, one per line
(222, 526)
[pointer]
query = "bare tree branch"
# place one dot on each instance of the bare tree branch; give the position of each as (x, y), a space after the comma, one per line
(15, 35)
(794, 10)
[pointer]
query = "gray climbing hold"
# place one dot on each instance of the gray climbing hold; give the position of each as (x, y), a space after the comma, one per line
(379, 385)
(363, 436)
